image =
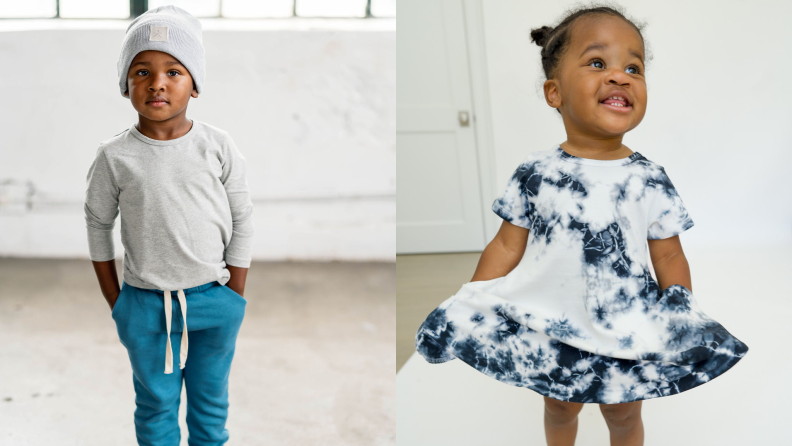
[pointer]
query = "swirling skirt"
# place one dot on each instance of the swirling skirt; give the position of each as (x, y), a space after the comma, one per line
(494, 338)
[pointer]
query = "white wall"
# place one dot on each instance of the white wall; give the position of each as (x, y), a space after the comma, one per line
(310, 103)
(719, 112)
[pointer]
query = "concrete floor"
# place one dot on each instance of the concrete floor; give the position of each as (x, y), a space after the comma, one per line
(747, 289)
(313, 365)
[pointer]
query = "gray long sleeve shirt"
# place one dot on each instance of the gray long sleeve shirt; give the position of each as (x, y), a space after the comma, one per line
(185, 207)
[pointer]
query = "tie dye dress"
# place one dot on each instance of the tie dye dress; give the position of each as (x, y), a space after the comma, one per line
(581, 318)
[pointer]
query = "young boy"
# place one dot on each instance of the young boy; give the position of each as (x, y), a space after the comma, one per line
(186, 226)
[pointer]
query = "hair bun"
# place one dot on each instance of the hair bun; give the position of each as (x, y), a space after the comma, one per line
(539, 35)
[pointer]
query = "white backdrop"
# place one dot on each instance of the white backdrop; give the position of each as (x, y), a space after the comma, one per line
(719, 109)
(309, 102)
(719, 118)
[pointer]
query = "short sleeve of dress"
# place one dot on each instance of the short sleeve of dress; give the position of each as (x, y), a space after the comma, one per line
(667, 214)
(515, 205)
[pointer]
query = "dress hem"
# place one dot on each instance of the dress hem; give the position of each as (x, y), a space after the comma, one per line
(653, 395)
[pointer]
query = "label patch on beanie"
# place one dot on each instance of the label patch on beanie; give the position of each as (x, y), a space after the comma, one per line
(159, 33)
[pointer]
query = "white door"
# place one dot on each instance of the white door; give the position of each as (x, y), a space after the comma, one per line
(438, 192)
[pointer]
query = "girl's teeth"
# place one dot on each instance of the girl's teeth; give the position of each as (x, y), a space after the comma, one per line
(622, 102)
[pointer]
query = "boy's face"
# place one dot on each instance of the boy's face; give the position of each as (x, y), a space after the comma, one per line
(605, 58)
(159, 86)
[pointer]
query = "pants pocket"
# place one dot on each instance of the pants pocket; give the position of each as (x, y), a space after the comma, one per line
(239, 296)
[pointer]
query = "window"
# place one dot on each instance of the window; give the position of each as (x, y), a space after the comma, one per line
(198, 8)
(336, 8)
(93, 9)
(246, 9)
(240, 9)
(383, 8)
(29, 9)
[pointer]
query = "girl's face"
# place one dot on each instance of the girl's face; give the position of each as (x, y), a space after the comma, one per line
(599, 86)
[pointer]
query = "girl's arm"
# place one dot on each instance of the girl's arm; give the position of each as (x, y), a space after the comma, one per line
(670, 264)
(108, 281)
(503, 253)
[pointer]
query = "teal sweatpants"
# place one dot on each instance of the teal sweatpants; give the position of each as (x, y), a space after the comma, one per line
(214, 314)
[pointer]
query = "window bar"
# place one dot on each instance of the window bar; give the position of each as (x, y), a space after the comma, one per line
(137, 7)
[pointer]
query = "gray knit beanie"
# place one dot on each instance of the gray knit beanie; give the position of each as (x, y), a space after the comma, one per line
(168, 29)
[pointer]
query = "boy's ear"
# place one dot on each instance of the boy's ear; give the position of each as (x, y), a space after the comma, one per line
(552, 93)
(194, 92)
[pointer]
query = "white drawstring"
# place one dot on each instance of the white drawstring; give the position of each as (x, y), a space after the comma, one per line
(184, 342)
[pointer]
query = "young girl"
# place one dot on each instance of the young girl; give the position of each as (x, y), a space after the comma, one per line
(562, 301)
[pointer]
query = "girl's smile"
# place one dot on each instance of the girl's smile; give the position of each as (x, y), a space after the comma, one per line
(618, 101)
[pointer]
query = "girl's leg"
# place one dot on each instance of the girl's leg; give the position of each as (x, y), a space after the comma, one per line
(561, 422)
(624, 422)
(217, 315)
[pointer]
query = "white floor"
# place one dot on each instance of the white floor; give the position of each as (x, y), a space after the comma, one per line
(749, 291)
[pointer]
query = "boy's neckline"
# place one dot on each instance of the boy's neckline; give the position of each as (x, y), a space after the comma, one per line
(168, 142)
(592, 162)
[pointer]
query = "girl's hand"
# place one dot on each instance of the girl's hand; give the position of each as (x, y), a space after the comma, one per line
(669, 262)
(503, 253)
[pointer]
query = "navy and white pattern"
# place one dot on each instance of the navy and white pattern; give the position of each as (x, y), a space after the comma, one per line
(581, 318)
